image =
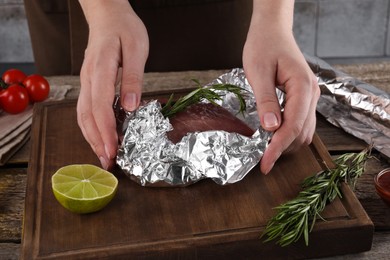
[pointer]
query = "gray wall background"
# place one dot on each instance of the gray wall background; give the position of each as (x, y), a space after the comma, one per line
(15, 39)
(330, 29)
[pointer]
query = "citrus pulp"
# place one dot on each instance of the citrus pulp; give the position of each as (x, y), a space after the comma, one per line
(83, 188)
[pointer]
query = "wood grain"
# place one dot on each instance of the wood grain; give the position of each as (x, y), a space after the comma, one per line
(376, 74)
(12, 193)
(205, 219)
(337, 140)
(9, 251)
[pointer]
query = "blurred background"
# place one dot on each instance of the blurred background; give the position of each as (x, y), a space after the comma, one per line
(339, 31)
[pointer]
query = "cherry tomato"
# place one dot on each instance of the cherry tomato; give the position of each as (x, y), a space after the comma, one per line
(14, 99)
(37, 87)
(13, 76)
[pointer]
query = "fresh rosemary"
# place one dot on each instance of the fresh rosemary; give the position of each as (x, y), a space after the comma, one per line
(202, 93)
(298, 216)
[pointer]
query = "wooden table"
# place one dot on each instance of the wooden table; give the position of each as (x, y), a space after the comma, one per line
(13, 175)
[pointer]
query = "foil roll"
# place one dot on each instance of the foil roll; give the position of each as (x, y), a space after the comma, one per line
(358, 108)
(148, 157)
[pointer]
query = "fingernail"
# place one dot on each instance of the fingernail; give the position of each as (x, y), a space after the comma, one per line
(130, 101)
(270, 120)
(103, 162)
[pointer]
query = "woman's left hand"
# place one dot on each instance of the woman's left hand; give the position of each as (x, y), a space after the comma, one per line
(272, 59)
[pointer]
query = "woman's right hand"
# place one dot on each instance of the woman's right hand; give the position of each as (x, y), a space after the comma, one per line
(117, 38)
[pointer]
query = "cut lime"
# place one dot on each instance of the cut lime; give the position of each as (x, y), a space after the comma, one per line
(83, 188)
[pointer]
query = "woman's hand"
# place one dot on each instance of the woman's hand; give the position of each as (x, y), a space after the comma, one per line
(272, 59)
(117, 38)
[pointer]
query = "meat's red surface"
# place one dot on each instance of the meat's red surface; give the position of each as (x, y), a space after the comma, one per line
(204, 117)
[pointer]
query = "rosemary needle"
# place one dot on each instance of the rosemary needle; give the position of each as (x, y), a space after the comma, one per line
(298, 216)
(202, 93)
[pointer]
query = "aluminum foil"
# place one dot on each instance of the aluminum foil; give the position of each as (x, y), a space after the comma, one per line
(148, 157)
(357, 107)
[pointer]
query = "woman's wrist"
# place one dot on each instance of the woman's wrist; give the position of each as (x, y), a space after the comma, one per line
(271, 14)
(96, 10)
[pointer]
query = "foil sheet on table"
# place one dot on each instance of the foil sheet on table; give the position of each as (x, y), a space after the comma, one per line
(357, 107)
(148, 157)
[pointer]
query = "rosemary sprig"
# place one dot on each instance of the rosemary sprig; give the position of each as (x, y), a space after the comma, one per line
(202, 93)
(298, 216)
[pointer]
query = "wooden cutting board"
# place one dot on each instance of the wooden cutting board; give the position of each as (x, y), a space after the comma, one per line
(202, 221)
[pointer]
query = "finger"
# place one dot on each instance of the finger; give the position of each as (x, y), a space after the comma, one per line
(298, 102)
(87, 123)
(308, 130)
(103, 94)
(306, 136)
(263, 84)
(134, 59)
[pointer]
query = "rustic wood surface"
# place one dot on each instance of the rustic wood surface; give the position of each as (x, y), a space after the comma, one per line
(13, 175)
(376, 74)
(202, 217)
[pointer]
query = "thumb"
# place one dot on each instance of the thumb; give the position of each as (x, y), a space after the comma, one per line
(264, 89)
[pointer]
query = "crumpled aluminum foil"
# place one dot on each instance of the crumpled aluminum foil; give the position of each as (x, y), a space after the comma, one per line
(149, 158)
(357, 107)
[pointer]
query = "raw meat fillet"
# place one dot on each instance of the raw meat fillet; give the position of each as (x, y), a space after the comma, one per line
(204, 117)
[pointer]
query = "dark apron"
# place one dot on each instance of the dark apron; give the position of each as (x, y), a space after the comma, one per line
(183, 34)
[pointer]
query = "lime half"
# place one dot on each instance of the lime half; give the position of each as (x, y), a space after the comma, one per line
(83, 188)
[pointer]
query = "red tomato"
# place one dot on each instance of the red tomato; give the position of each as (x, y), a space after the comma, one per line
(14, 99)
(13, 76)
(37, 87)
